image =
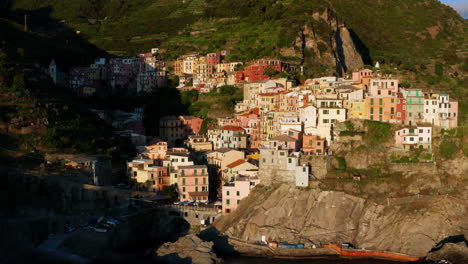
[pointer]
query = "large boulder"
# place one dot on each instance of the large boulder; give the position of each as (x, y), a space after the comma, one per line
(189, 249)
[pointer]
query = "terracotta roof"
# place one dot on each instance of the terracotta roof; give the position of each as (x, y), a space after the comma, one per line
(233, 128)
(284, 138)
(268, 94)
(256, 111)
(236, 163)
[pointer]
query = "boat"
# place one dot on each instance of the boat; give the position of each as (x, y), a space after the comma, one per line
(362, 253)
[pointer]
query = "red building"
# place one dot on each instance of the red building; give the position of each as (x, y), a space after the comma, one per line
(254, 71)
(192, 124)
(213, 58)
(400, 108)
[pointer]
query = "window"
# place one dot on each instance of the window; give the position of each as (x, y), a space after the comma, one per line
(183, 181)
(372, 110)
(326, 121)
(398, 114)
(380, 101)
(337, 112)
(196, 180)
(420, 139)
(238, 201)
(204, 180)
(304, 169)
(325, 112)
(411, 139)
(372, 101)
(183, 189)
(135, 173)
(238, 193)
(380, 110)
(289, 160)
(228, 201)
(319, 143)
(228, 193)
(196, 188)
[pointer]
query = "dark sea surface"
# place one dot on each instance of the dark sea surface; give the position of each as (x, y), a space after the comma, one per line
(246, 260)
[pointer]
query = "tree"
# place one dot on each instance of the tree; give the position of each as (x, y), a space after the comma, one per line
(270, 72)
(439, 69)
(170, 191)
(227, 90)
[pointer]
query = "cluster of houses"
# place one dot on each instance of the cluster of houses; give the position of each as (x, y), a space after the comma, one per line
(204, 73)
(115, 76)
(276, 123)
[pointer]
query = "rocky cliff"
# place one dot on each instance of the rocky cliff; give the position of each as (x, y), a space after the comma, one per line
(289, 214)
(188, 249)
(326, 40)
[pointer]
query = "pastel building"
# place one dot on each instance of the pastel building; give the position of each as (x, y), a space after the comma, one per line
(414, 105)
(361, 74)
(381, 109)
(173, 161)
(232, 137)
(357, 110)
(192, 124)
(383, 87)
(308, 116)
(156, 151)
(193, 183)
(199, 143)
(313, 144)
(285, 142)
(233, 193)
(440, 110)
(234, 168)
(419, 137)
(144, 172)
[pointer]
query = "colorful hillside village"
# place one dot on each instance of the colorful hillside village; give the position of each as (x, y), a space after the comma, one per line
(275, 124)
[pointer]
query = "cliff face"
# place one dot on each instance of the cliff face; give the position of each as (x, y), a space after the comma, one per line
(285, 213)
(327, 41)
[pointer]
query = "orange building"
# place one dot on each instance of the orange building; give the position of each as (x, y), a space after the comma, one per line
(381, 109)
(313, 144)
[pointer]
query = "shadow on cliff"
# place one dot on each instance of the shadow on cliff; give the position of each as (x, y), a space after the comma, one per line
(451, 239)
(44, 39)
(221, 243)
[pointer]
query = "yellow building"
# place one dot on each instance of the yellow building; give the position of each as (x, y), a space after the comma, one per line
(357, 110)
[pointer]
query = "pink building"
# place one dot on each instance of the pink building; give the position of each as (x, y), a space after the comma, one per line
(414, 137)
(358, 75)
(285, 142)
(192, 124)
(453, 114)
(383, 87)
(156, 151)
(193, 183)
(234, 192)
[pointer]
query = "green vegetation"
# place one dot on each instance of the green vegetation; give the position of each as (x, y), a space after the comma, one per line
(341, 163)
(377, 132)
(447, 149)
(413, 156)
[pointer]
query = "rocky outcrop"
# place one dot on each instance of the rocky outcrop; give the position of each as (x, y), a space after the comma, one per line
(188, 249)
(326, 40)
(456, 253)
(284, 213)
(347, 55)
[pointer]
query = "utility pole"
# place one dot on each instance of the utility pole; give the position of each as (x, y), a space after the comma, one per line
(25, 23)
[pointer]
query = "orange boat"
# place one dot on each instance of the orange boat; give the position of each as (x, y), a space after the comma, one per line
(371, 254)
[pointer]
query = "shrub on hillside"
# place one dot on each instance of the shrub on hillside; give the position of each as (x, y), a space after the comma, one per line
(447, 149)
